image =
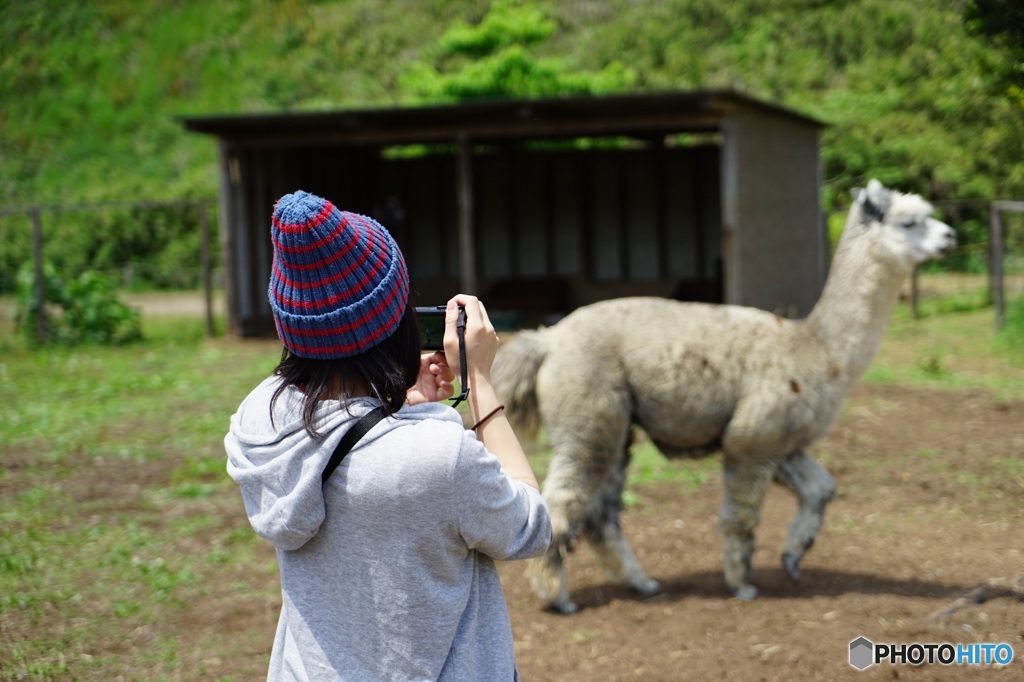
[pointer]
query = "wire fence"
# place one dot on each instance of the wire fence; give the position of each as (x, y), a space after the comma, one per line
(138, 246)
(985, 269)
(168, 246)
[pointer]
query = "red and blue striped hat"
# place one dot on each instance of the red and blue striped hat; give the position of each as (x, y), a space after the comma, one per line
(339, 285)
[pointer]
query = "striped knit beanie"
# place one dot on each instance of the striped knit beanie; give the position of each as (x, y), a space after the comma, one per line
(339, 285)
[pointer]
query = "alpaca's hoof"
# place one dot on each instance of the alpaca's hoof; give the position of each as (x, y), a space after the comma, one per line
(562, 608)
(745, 593)
(791, 562)
(647, 587)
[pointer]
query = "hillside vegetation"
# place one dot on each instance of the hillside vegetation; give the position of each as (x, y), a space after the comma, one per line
(91, 91)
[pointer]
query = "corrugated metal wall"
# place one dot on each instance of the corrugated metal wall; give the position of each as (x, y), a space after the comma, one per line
(647, 219)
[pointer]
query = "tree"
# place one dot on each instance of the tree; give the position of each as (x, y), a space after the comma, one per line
(494, 58)
(1003, 21)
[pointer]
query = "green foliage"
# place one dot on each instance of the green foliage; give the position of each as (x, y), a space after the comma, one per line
(506, 23)
(88, 309)
(835, 224)
(909, 97)
(920, 95)
(152, 247)
(1003, 21)
(494, 59)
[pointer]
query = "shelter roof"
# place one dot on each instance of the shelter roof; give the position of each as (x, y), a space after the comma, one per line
(641, 115)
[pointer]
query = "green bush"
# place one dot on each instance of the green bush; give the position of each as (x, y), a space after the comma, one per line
(82, 310)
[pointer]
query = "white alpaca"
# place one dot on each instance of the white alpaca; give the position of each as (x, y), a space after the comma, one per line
(703, 378)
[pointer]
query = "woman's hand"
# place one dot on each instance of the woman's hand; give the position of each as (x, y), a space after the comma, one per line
(434, 382)
(481, 339)
(481, 346)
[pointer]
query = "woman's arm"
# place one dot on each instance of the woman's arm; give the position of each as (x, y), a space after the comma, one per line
(481, 341)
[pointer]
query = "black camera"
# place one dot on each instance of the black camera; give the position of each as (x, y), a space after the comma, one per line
(431, 322)
(431, 318)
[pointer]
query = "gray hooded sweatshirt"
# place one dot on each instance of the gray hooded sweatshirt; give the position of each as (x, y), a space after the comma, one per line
(387, 570)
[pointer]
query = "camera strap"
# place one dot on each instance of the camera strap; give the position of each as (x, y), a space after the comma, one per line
(460, 328)
(351, 437)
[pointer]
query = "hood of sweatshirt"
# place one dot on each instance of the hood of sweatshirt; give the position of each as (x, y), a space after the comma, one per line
(278, 465)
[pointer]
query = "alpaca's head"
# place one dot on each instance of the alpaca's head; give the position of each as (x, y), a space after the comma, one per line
(899, 226)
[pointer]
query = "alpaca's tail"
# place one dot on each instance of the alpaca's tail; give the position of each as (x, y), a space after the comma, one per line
(514, 375)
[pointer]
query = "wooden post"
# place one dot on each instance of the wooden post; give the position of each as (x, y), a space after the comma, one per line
(914, 293)
(467, 236)
(229, 219)
(37, 256)
(995, 264)
(204, 236)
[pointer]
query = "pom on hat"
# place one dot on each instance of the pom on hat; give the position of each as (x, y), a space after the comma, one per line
(339, 285)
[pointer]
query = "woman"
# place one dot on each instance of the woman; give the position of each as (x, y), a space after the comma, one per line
(387, 566)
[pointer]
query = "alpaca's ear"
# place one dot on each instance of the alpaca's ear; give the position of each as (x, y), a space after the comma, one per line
(875, 200)
(877, 192)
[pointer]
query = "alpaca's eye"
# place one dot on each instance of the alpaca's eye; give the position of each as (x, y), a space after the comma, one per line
(908, 222)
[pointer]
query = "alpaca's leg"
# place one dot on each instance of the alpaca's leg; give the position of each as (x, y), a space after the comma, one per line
(745, 484)
(546, 575)
(586, 409)
(570, 487)
(814, 488)
(564, 493)
(602, 529)
(576, 474)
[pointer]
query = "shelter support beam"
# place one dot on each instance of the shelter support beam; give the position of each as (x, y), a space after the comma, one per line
(467, 229)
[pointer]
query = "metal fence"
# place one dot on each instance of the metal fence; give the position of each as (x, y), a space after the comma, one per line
(109, 236)
(1003, 215)
(987, 266)
(140, 245)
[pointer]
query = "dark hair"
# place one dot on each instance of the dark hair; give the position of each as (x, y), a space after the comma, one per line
(389, 370)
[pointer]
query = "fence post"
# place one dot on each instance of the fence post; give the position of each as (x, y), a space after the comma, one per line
(914, 293)
(995, 265)
(204, 232)
(37, 257)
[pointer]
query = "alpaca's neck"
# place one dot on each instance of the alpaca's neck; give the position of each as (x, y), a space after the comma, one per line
(853, 313)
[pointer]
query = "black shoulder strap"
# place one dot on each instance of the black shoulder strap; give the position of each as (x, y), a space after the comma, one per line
(351, 437)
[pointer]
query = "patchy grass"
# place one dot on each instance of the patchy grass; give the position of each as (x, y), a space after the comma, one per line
(961, 349)
(648, 465)
(116, 514)
(124, 548)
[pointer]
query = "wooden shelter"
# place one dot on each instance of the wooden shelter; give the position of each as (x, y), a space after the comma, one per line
(545, 204)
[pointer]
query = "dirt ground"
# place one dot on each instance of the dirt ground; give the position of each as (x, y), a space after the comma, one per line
(923, 544)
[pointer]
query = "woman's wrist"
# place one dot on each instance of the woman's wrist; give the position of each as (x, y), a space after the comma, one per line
(482, 399)
(478, 377)
(487, 417)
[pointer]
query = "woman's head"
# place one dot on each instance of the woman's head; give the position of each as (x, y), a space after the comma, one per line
(339, 292)
(386, 372)
(339, 285)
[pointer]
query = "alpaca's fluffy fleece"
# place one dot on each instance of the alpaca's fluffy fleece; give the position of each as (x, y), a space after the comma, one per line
(702, 378)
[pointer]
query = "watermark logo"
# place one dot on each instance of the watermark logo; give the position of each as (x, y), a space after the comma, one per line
(864, 653)
(861, 653)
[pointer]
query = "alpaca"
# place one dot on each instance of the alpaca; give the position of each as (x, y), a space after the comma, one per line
(702, 378)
